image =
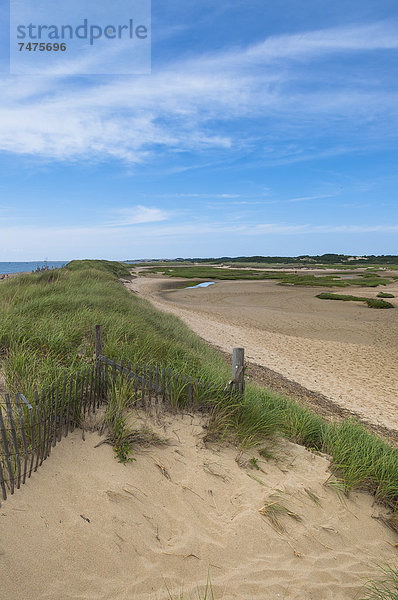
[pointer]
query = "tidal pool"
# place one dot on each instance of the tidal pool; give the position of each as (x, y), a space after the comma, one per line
(204, 284)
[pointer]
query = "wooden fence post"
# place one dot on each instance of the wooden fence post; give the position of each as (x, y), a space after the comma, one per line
(238, 370)
(98, 341)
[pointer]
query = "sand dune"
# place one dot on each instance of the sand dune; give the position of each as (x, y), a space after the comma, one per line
(346, 351)
(86, 527)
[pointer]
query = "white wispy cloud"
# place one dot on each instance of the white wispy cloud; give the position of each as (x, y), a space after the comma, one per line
(309, 198)
(190, 104)
(139, 214)
(318, 44)
(198, 195)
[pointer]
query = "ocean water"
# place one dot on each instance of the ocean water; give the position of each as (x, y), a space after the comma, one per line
(22, 267)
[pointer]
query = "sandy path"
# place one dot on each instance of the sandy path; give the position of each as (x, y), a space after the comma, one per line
(345, 351)
(85, 527)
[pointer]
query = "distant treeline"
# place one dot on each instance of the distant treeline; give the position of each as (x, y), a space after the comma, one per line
(305, 258)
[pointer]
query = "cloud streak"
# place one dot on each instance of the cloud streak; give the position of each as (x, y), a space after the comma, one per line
(190, 105)
(137, 215)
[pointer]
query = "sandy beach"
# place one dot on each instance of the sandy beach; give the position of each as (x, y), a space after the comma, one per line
(343, 350)
(86, 527)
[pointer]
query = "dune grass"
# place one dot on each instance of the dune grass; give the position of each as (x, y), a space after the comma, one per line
(385, 587)
(47, 324)
(371, 302)
(47, 327)
(205, 594)
(385, 295)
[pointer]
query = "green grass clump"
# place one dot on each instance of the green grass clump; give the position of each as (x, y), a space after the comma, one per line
(343, 297)
(385, 295)
(385, 587)
(371, 302)
(206, 594)
(376, 303)
(364, 460)
(275, 508)
(119, 431)
(359, 458)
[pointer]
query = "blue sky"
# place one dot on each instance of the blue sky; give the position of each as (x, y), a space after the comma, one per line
(264, 128)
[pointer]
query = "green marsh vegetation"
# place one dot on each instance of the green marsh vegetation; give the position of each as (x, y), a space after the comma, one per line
(47, 327)
(385, 295)
(376, 303)
(286, 278)
(371, 302)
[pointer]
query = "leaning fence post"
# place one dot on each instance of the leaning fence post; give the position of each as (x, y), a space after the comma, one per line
(98, 341)
(238, 370)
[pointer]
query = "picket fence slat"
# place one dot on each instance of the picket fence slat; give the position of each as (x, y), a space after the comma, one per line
(2, 482)
(50, 417)
(91, 405)
(49, 422)
(114, 372)
(14, 439)
(7, 453)
(22, 426)
(99, 387)
(69, 404)
(62, 409)
(56, 416)
(157, 385)
(38, 420)
(32, 433)
(189, 391)
(150, 384)
(106, 378)
(82, 392)
(121, 372)
(45, 426)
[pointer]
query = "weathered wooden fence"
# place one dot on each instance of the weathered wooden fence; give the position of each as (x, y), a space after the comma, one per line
(30, 428)
(151, 386)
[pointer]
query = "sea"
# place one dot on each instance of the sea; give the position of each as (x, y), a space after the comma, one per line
(22, 267)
